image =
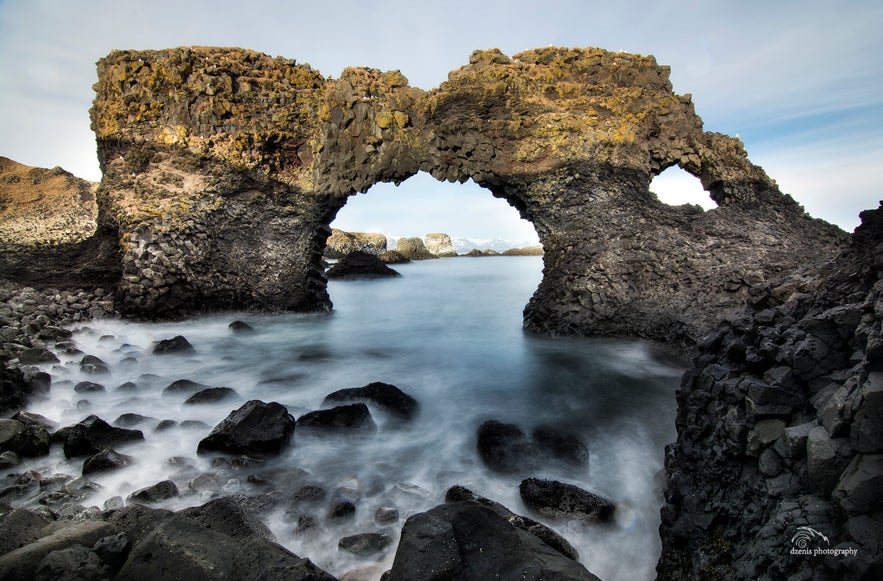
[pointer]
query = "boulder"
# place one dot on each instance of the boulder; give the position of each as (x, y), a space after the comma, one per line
(93, 435)
(356, 265)
(23, 439)
(129, 419)
(183, 386)
(439, 244)
(36, 356)
(466, 540)
(76, 562)
(413, 249)
(15, 389)
(105, 461)
(212, 395)
(89, 387)
(93, 365)
(20, 527)
(341, 420)
(22, 563)
(388, 397)
(177, 344)
(505, 448)
(240, 328)
(255, 428)
(364, 544)
(559, 500)
(154, 493)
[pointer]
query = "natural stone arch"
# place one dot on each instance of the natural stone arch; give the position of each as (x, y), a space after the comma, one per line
(223, 169)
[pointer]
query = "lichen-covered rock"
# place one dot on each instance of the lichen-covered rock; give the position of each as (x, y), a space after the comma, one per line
(413, 249)
(439, 244)
(341, 243)
(223, 168)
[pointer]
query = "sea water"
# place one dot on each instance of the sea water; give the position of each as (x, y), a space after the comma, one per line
(449, 333)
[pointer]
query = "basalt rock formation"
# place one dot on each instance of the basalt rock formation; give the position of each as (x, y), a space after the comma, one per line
(224, 167)
(778, 466)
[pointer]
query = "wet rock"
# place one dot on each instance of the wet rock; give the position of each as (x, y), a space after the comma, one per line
(364, 544)
(9, 460)
(505, 448)
(826, 459)
(229, 516)
(240, 328)
(164, 425)
(357, 265)
(178, 344)
(155, 493)
(89, 387)
(559, 500)
(15, 389)
(255, 428)
(93, 435)
(106, 461)
(340, 419)
(184, 386)
(128, 386)
(212, 395)
(36, 356)
(386, 515)
(129, 420)
(342, 510)
(466, 540)
(544, 533)
(93, 365)
(113, 550)
(387, 397)
(27, 440)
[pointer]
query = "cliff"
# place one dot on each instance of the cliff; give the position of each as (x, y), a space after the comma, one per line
(780, 426)
(341, 243)
(224, 167)
(44, 207)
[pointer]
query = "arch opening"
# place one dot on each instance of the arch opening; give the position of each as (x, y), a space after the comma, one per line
(675, 187)
(468, 213)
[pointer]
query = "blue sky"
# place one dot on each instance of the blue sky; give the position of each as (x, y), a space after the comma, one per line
(801, 82)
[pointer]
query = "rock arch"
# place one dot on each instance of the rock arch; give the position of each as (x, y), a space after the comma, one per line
(222, 169)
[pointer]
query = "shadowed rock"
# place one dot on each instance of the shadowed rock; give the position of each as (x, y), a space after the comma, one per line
(341, 419)
(559, 500)
(255, 428)
(388, 397)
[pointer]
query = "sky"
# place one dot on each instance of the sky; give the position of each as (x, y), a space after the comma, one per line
(800, 82)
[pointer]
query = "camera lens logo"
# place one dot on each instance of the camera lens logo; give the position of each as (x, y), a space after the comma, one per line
(806, 540)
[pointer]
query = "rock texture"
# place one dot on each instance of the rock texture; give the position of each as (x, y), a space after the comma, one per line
(779, 427)
(44, 207)
(341, 243)
(439, 244)
(222, 169)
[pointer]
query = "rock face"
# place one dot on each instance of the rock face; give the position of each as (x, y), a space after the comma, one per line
(439, 244)
(413, 249)
(341, 243)
(779, 427)
(468, 540)
(223, 168)
(44, 207)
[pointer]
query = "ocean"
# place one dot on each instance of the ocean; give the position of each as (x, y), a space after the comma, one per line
(447, 332)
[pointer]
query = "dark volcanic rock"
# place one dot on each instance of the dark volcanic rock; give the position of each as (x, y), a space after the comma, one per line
(212, 395)
(93, 365)
(155, 493)
(771, 428)
(36, 356)
(24, 439)
(15, 390)
(89, 387)
(76, 562)
(364, 544)
(240, 328)
(360, 265)
(341, 419)
(388, 397)
(105, 461)
(183, 386)
(130, 419)
(559, 500)
(466, 540)
(255, 428)
(93, 434)
(177, 344)
(505, 448)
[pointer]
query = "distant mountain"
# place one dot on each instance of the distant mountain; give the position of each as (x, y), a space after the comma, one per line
(464, 245)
